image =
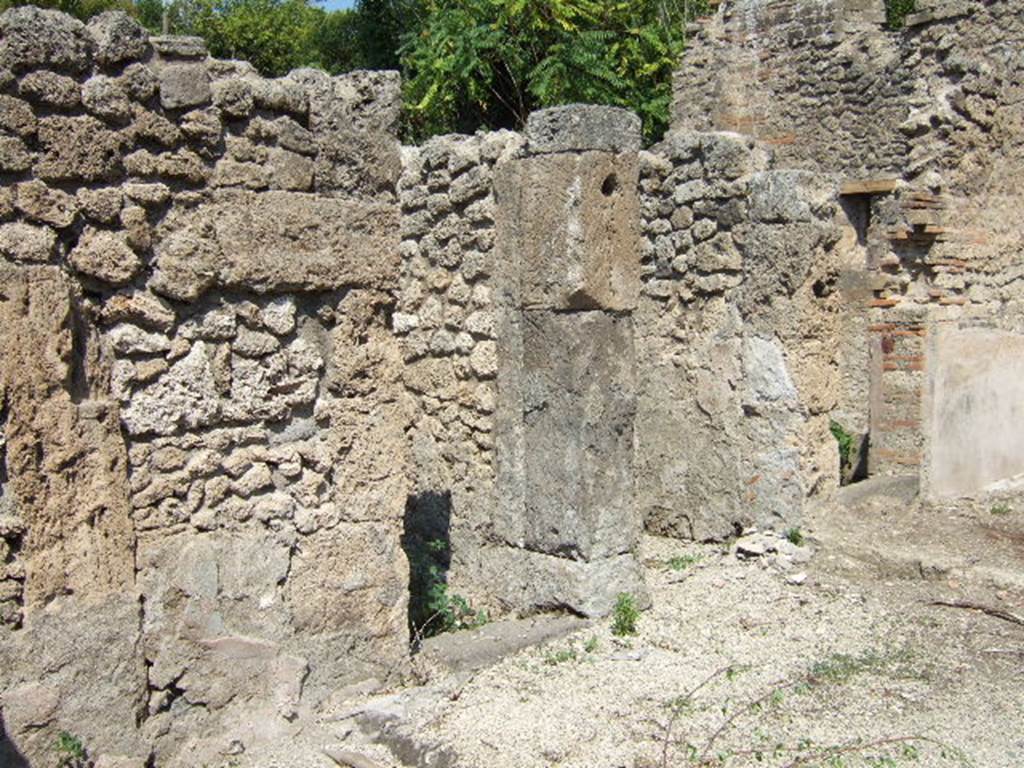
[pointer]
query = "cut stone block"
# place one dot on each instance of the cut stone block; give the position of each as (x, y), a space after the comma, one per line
(574, 230)
(582, 127)
(567, 471)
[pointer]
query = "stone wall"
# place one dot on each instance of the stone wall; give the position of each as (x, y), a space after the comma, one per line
(201, 398)
(923, 125)
(737, 338)
(262, 366)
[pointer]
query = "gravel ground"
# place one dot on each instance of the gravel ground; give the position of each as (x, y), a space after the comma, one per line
(734, 661)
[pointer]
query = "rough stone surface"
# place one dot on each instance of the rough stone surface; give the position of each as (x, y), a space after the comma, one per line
(261, 366)
(577, 232)
(583, 127)
(117, 38)
(276, 241)
(32, 37)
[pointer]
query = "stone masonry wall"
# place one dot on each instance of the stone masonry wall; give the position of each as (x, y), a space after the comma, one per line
(923, 125)
(446, 319)
(203, 429)
(737, 338)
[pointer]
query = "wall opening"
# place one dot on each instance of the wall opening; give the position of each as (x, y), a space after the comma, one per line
(426, 540)
(851, 420)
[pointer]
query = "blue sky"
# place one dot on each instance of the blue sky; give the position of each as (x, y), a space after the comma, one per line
(334, 5)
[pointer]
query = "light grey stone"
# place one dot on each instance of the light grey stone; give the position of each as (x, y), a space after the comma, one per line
(104, 255)
(184, 85)
(583, 127)
(117, 38)
(186, 396)
(26, 242)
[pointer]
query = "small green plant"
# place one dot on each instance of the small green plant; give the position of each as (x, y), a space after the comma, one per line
(896, 12)
(70, 751)
(795, 536)
(624, 615)
(1001, 509)
(682, 562)
(450, 612)
(845, 441)
(434, 609)
(554, 658)
(591, 645)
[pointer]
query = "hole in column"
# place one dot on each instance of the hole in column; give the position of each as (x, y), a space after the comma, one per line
(426, 541)
(609, 185)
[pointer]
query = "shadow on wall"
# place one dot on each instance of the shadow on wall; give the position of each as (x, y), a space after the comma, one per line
(426, 541)
(10, 757)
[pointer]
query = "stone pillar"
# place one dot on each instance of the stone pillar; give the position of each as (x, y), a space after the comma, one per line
(568, 281)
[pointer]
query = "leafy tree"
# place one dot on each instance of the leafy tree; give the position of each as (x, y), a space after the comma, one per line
(382, 25)
(338, 44)
(491, 62)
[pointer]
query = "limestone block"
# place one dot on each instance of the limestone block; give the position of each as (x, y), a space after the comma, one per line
(78, 149)
(16, 116)
(51, 89)
(117, 38)
(575, 465)
(186, 396)
(289, 170)
(49, 206)
(276, 241)
(581, 128)
(14, 155)
(183, 164)
(203, 125)
(104, 255)
(788, 196)
(179, 46)
(364, 100)
(233, 96)
(278, 316)
(153, 127)
(104, 97)
(350, 580)
(139, 81)
(184, 85)
(28, 243)
(358, 162)
(521, 580)
(77, 663)
(6, 203)
(31, 37)
(574, 224)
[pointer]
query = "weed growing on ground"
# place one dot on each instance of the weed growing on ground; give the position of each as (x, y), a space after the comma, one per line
(743, 734)
(795, 536)
(561, 656)
(624, 615)
(437, 609)
(70, 751)
(1001, 509)
(682, 562)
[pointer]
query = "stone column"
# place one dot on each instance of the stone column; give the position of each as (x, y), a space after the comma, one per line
(568, 281)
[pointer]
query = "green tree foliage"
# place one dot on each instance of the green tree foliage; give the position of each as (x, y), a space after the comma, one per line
(80, 9)
(489, 63)
(275, 36)
(896, 12)
(382, 25)
(338, 44)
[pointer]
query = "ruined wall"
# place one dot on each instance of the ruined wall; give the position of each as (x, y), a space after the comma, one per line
(501, 245)
(923, 125)
(201, 400)
(737, 338)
